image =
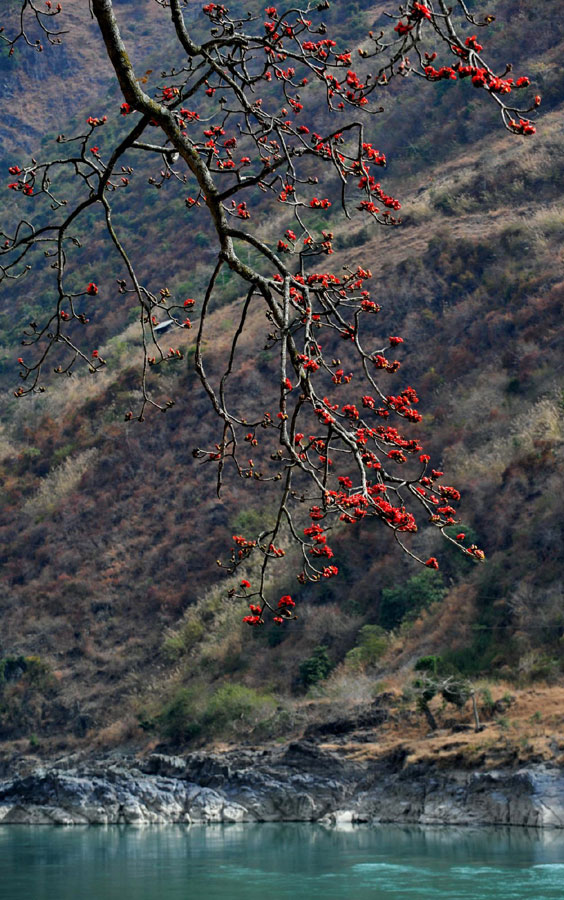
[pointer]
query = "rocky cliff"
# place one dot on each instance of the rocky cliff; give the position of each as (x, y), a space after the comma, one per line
(299, 782)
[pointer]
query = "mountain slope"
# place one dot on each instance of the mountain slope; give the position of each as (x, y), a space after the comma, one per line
(110, 533)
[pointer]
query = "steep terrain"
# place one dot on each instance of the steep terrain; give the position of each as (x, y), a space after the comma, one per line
(114, 622)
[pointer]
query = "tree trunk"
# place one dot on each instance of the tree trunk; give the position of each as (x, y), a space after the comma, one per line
(477, 726)
(429, 716)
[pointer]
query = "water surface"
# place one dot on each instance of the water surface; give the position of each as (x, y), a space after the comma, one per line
(272, 862)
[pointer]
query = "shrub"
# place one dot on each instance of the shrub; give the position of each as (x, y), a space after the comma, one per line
(36, 673)
(235, 708)
(180, 642)
(248, 521)
(429, 664)
(407, 600)
(12, 668)
(316, 667)
(487, 699)
(180, 720)
(372, 643)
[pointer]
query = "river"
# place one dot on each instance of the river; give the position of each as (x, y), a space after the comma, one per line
(271, 862)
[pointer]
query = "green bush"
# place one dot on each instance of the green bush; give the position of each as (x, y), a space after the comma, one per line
(181, 718)
(12, 668)
(372, 643)
(234, 707)
(487, 699)
(36, 673)
(429, 664)
(316, 667)
(230, 711)
(180, 642)
(409, 599)
(249, 522)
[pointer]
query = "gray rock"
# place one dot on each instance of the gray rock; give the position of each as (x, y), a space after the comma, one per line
(300, 782)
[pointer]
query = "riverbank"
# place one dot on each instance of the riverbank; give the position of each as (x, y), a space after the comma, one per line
(303, 781)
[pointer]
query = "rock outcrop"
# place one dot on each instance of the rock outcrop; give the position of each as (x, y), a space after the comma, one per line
(301, 782)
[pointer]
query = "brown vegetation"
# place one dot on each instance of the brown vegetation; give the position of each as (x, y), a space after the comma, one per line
(108, 536)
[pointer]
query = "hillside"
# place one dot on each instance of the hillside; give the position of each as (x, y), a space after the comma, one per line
(115, 622)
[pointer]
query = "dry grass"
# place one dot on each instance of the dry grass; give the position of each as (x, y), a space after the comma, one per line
(59, 483)
(541, 421)
(122, 731)
(530, 730)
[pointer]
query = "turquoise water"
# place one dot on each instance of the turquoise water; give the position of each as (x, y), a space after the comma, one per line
(271, 862)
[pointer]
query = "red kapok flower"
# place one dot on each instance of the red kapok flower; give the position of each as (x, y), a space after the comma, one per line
(432, 563)
(92, 289)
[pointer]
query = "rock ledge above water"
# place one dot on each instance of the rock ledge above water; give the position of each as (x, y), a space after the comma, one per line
(301, 782)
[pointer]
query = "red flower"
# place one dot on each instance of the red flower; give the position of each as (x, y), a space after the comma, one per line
(421, 11)
(448, 493)
(472, 44)
(402, 28)
(92, 289)
(316, 203)
(478, 554)
(432, 563)
(245, 583)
